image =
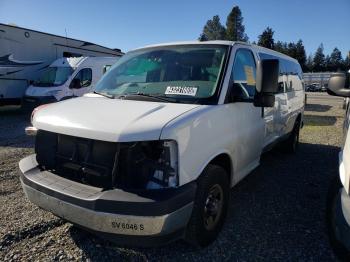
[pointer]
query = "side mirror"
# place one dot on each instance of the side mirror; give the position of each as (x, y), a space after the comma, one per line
(75, 84)
(338, 85)
(267, 80)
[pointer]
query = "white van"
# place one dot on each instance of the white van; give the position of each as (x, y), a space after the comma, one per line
(338, 208)
(66, 78)
(151, 155)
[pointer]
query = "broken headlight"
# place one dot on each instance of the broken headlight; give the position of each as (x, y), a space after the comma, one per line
(148, 165)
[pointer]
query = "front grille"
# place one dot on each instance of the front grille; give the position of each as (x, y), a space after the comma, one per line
(130, 165)
(84, 160)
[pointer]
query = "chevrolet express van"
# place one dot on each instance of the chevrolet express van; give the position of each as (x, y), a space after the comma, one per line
(151, 155)
(338, 209)
(67, 78)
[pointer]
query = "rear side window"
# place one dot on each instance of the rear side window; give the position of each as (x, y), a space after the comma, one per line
(282, 70)
(243, 76)
(290, 69)
(85, 77)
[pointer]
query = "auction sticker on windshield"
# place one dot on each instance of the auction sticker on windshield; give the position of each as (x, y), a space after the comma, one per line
(181, 90)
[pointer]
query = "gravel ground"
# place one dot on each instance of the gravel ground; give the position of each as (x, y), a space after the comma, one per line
(277, 213)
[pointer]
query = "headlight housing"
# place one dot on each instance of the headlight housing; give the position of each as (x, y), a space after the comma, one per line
(148, 165)
(166, 174)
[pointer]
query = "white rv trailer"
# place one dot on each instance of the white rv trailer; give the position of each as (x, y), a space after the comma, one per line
(25, 53)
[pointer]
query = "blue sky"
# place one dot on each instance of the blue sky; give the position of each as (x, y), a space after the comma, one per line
(128, 24)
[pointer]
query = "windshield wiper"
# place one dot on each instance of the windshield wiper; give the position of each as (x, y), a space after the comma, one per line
(104, 94)
(158, 97)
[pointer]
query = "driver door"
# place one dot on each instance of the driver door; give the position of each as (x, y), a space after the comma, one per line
(247, 121)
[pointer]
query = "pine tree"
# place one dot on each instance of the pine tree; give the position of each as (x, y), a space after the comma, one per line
(346, 66)
(309, 64)
(266, 38)
(335, 60)
(327, 63)
(213, 30)
(301, 54)
(319, 59)
(292, 50)
(235, 30)
(281, 47)
(203, 37)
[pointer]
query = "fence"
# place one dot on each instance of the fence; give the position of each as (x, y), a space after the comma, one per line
(320, 78)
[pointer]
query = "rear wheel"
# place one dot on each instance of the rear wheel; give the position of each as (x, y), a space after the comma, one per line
(210, 207)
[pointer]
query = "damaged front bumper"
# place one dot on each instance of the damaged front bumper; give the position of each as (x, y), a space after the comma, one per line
(142, 218)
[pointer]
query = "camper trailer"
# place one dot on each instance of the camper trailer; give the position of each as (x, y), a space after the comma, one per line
(26, 53)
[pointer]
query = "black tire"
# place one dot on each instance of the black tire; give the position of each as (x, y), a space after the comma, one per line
(200, 232)
(342, 253)
(292, 143)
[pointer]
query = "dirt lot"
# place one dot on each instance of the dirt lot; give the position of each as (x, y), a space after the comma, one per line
(276, 213)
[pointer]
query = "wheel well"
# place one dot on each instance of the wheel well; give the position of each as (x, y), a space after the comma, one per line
(224, 161)
(298, 119)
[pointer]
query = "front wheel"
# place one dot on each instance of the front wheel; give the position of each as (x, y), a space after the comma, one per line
(210, 207)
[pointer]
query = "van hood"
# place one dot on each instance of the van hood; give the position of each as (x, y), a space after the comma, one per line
(108, 119)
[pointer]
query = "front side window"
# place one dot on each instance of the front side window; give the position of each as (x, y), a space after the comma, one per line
(84, 76)
(186, 73)
(54, 76)
(243, 76)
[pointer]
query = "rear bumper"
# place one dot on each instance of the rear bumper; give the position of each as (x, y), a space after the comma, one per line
(138, 218)
(30, 102)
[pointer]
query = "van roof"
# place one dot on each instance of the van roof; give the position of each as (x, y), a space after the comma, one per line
(222, 42)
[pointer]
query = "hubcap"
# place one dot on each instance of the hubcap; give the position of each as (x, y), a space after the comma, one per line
(213, 207)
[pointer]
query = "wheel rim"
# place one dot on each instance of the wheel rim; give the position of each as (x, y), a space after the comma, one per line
(213, 207)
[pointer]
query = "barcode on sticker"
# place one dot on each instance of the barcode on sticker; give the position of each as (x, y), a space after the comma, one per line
(181, 90)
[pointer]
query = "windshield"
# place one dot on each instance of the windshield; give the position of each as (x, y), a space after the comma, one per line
(186, 73)
(54, 76)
